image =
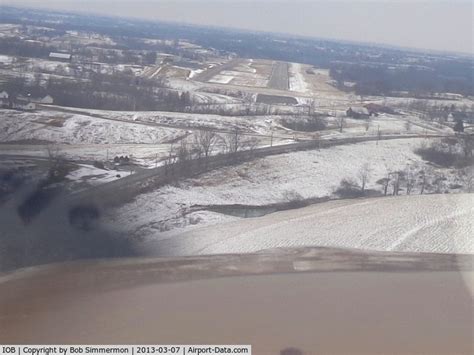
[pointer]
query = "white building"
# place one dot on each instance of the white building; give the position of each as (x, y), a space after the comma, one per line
(4, 95)
(48, 100)
(24, 104)
(60, 56)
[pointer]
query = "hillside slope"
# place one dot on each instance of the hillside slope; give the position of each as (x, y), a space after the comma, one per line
(417, 223)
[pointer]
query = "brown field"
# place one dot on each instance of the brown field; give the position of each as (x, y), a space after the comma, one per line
(318, 81)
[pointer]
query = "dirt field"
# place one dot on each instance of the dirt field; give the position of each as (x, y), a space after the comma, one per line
(275, 100)
(318, 82)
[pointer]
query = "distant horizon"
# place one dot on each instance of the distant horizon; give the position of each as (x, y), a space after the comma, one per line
(97, 8)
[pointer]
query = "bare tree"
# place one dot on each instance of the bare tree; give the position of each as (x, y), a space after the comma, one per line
(205, 141)
(367, 125)
(379, 134)
(467, 144)
(233, 141)
(408, 126)
(410, 179)
(53, 153)
(364, 175)
(385, 182)
(439, 183)
(423, 183)
(170, 160)
(396, 182)
(311, 107)
(183, 153)
(341, 123)
(58, 167)
(468, 179)
(424, 180)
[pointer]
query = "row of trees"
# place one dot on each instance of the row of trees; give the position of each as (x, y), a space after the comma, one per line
(437, 112)
(454, 152)
(419, 81)
(206, 143)
(410, 180)
(17, 47)
(110, 92)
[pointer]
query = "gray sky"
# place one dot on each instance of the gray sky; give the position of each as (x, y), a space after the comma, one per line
(444, 25)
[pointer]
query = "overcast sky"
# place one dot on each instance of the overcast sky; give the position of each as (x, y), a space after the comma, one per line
(444, 25)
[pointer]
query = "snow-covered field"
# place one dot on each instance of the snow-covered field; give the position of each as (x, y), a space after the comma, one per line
(221, 79)
(78, 129)
(297, 81)
(210, 98)
(274, 179)
(247, 73)
(385, 124)
(189, 120)
(421, 223)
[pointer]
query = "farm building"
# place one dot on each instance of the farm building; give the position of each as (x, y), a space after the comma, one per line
(60, 56)
(375, 109)
(358, 112)
(5, 103)
(4, 95)
(23, 104)
(48, 99)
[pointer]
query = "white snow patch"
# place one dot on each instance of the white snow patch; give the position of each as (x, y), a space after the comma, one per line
(221, 79)
(193, 73)
(92, 175)
(297, 81)
(5, 59)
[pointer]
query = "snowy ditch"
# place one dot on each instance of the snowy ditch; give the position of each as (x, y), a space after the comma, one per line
(266, 185)
(252, 211)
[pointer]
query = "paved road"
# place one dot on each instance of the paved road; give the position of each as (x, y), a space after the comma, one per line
(279, 78)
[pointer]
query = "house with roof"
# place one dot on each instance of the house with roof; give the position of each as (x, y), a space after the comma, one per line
(47, 100)
(4, 99)
(24, 104)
